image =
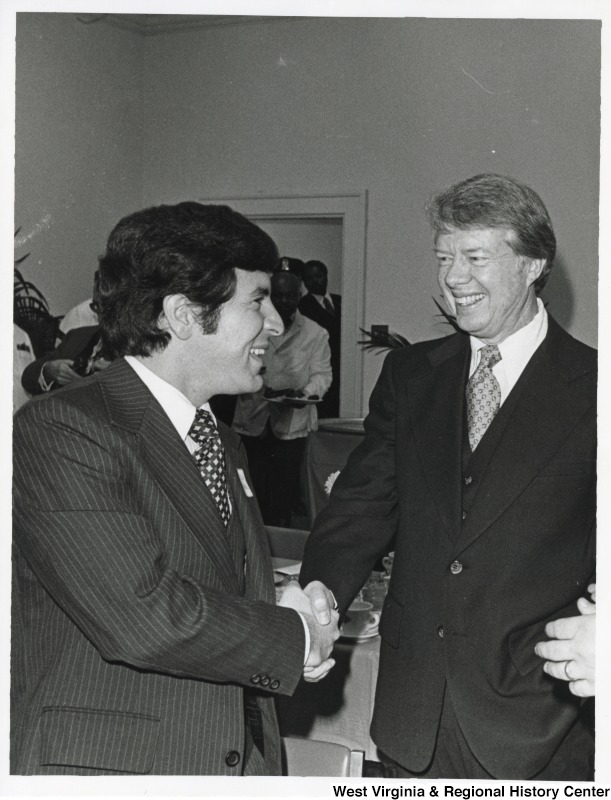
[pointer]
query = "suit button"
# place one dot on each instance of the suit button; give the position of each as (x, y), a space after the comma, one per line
(255, 679)
(468, 480)
(440, 631)
(455, 567)
(464, 515)
(232, 759)
(274, 684)
(265, 681)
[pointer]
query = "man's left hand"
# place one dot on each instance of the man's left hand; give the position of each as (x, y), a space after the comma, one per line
(570, 653)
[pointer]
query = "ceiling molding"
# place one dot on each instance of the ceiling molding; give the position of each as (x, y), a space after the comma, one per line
(155, 24)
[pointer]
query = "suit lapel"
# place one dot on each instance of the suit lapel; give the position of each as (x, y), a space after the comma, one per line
(436, 401)
(547, 408)
(134, 408)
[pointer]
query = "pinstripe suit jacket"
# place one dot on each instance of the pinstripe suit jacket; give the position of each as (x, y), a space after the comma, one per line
(134, 630)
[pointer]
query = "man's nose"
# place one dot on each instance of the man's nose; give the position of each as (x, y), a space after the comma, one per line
(273, 323)
(459, 272)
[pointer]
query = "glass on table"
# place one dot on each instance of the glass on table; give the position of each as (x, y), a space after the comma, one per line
(375, 590)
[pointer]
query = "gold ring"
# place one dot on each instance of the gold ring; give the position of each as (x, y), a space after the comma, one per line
(566, 671)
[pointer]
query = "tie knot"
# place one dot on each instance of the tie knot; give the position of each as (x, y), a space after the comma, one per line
(489, 356)
(203, 426)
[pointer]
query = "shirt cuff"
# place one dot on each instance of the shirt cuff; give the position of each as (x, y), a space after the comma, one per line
(41, 380)
(307, 638)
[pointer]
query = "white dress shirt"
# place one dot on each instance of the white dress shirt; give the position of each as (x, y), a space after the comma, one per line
(516, 351)
(322, 297)
(181, 412)
(179, 409)
(299, 358)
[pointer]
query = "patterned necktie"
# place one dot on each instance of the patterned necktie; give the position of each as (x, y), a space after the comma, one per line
(328, 306)
(210, 458)
(483, 394)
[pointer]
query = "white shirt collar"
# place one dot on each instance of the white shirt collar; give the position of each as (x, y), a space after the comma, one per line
(179, 409)
(321, 297)
(516, 350)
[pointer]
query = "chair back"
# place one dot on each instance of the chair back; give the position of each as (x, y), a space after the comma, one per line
(286, 542)
(312, 758)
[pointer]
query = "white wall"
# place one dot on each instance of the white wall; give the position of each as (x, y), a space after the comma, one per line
(78, 147)
(310, 239)
(398, 107)
(108, 121)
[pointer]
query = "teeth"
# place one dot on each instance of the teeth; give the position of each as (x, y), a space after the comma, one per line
(257, 351)
(468, 301)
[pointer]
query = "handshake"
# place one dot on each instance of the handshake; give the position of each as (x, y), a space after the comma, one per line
(315, 604)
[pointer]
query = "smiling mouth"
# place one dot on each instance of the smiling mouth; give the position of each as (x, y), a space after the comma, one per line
(468, 300)
(258, 352)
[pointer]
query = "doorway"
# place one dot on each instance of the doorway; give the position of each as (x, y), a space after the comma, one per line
(338, 223)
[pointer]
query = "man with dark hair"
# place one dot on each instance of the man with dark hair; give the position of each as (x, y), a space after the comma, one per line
(146, 638)
(479, 457)
(325, 309)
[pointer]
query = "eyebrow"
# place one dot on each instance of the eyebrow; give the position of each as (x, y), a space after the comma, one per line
(260, 290)
(481, 248)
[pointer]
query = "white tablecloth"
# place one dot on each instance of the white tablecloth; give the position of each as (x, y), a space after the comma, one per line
(338, 708)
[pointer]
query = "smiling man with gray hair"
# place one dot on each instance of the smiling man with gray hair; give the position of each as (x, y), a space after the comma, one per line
(479, 462)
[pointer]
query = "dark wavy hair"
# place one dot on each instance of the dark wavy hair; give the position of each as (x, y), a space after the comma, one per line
(497, 201)
(188, 248)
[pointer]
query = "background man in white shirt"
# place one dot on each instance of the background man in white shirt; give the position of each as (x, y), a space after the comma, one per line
(275, 430)
(146, 637)
(479, 456)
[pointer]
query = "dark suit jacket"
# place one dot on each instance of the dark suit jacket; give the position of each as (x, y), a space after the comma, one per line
(134, 629)
(75, 342)
(332, 323)
(481, 565)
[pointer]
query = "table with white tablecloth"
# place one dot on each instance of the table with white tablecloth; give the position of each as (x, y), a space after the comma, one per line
(339, 707)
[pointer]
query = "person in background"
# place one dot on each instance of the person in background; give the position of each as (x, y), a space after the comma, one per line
(479, 455)
(326, 310)
(274, 422)
(570, 652)
(146, 636)
(23, 355)
(80, 353)
(290, 264)
(84, 314)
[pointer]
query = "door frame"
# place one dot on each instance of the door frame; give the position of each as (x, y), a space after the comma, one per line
(351, 208)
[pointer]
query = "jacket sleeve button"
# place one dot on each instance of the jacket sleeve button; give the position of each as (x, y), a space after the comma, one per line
(265, 681)
(232, 759)
(274, 684)
(255, 679)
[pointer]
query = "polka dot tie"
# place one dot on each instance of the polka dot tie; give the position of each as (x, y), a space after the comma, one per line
(483, 394)
(210, 458)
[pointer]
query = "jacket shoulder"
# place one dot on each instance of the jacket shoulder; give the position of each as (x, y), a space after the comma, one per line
(573, 358)
(427, 353)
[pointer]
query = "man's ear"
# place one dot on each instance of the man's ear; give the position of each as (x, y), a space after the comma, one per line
(535, 268)
(177, 317)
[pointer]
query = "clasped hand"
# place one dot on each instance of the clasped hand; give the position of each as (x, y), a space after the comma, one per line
(570, 653)
(316, 603)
